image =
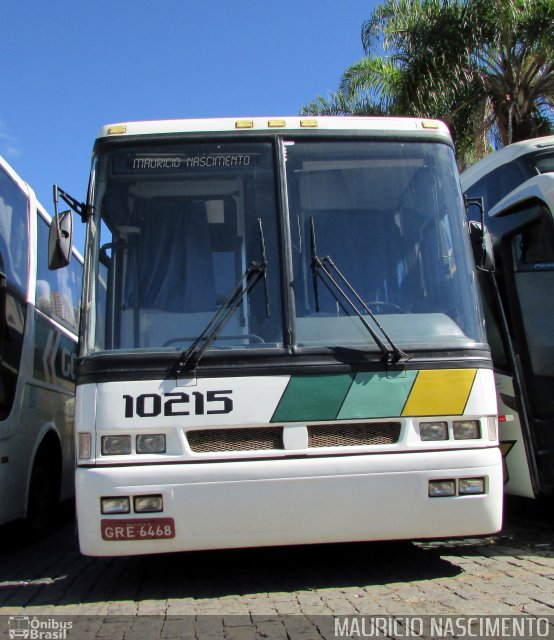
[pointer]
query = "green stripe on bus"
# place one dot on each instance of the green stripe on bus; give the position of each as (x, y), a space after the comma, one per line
(377, 395)
(309, 398)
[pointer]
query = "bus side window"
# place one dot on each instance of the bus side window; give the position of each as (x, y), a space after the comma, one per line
(535, 244)
(14, 251)
(533, 257)
(14, 239)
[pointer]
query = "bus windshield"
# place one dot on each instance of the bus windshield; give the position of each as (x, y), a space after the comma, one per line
(178, 229)
(177, 226)
(389, 216)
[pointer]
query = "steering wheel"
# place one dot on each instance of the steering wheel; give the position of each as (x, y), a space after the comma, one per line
(381, 303)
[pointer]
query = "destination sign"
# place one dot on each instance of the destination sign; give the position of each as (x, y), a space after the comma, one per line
(169, 163)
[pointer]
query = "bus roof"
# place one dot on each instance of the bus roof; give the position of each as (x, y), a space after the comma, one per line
(24, 186)
(266, 124)
(508, 154)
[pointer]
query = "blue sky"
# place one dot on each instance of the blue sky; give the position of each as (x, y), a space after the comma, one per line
(69, 66)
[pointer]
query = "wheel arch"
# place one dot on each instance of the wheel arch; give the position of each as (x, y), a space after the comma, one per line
(47, 446)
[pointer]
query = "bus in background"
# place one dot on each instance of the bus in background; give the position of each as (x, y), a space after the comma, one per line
(39, 318)
(282, 340)
(517, 185)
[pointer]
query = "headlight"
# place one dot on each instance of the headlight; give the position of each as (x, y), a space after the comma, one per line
(466, 430)
(442, 488)
(115, 505)
(471, 486)
(151, 443)
(433, 430)
(148, 504)
(116, 445)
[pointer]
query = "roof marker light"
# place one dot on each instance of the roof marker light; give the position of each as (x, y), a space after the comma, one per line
(244, 124)
(276, 123)
(310, 122)
(117, 128)
(429, 124)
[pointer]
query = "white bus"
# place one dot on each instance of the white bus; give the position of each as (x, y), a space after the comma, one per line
(282, 339)
(517, 185)
(39, 317)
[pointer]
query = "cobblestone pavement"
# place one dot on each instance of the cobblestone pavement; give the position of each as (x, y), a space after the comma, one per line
(222, 592)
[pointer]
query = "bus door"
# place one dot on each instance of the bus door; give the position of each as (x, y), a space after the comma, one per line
(528, 265)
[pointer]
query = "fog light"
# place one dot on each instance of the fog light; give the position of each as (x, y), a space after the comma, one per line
(84, 446)
(148, 504)
(466, 430)
(116, 445)
(151, 443)
(433, 430)
(442, 488)
(115, 505)
(471, 486)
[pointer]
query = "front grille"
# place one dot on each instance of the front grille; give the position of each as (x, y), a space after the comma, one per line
(218, 440)
(353, 435)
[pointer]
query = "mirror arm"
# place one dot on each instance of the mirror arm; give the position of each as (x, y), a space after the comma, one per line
(84, 210)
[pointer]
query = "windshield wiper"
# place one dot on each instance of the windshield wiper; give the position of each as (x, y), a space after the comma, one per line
(325, 265)
(256, 270)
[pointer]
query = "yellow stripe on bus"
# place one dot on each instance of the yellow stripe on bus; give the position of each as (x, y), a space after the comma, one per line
(440, 392)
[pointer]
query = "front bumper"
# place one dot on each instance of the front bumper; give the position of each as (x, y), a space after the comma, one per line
(296, 500)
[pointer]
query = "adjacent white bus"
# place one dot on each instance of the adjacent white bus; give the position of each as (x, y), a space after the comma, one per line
(39, 318)
(517, 185)
(282, 340)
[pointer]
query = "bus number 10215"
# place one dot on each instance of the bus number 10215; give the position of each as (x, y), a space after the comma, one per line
(150, 405)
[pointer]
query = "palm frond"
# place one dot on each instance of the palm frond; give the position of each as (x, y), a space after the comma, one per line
(483, 66)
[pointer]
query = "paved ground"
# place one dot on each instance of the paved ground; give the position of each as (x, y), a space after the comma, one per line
(242, 593)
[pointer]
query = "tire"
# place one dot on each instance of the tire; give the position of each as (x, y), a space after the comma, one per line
(44, 493)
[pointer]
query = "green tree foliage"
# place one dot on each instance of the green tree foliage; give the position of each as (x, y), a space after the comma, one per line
(485, 67)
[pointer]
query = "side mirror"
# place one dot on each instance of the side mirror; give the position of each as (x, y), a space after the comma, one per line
(60, 240)
(481, 244)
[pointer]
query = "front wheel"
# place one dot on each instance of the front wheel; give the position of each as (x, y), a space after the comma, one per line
(44, 494)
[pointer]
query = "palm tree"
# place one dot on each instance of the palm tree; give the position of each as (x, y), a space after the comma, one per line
(516, 68)
(370, 86)
(484, 66)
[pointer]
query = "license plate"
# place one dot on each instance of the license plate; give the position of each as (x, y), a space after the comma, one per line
(137, 529)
